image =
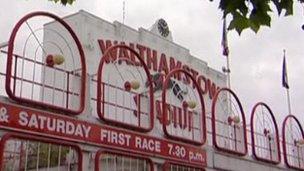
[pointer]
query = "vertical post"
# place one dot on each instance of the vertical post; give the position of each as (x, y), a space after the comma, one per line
(286, 85)
(288, 101)
(228, 72)
(123, 18)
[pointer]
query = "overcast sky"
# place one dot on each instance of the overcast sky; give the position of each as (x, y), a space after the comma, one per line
(256, 59)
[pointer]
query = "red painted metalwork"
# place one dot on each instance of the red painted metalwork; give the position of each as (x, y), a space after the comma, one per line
(213, 121)
(101, 90)
(9, 70)
(253, 140)
(121, 153)
(99, 135)
(284, 143)
(165, 110)
(167, 164)
(8, 136)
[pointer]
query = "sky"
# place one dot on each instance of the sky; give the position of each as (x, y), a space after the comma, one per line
(256, 59)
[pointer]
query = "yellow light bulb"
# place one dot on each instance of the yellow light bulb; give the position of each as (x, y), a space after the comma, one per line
(135, 85)
(58, 59)
(191, 104)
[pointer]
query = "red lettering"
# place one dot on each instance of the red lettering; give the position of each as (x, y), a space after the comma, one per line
(180, 118)
(185, 118)
(159, 114)
(212, 88)
(123, 53)
(186, 79)
(132, 55)
(163, 65)
(104, 46)
(194, 74)
(175, 116)
(152, 59)
(175, 66)
(141, 49)
(204, 87)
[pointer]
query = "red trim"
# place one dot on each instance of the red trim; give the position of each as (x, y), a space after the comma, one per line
(167, 164)
(213, 121)
(8, 136)
(253, 113)
(120, 153)
(284, 140)
(10, 62)
(100, 93)
(165, 111)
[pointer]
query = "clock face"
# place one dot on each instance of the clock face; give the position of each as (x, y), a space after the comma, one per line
(163, 27)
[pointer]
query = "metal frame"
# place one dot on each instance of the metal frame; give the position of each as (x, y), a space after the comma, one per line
(121, 153)
(167, 164)
(10, 62)
(8, 136)
(253, 113)
(284, 140)
(213, 121)
(165, 111)
(100, 91)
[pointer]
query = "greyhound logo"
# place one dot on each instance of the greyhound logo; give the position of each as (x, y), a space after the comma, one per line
(157, 81)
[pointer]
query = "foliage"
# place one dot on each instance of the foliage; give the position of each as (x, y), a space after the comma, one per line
(64, 2)
(245, 13)
(254, 13)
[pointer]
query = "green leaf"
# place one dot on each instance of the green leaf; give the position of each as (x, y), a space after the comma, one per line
(239, 23)
(254, 27)
(231, 6)
(278, 6)
(259, 15)
(288, 6)
(70, 2)
(64, 2)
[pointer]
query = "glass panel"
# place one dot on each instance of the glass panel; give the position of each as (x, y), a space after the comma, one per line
(115, 162)
(31, 155)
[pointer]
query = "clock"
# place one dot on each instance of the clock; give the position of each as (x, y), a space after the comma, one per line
(163, 28)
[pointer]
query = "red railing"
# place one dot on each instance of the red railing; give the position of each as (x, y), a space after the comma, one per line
(33, 78)
(30, 80)
(104, 94)
(196, 118)
(293, 141)
(268, 138)
(235, 123)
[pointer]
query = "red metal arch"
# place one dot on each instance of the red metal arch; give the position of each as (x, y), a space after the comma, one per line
(99, 90)
(213, 121)
(288, 164)
(165, 111)
(8, 136)
(253, 113)
(10, 62)
(101, 152)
